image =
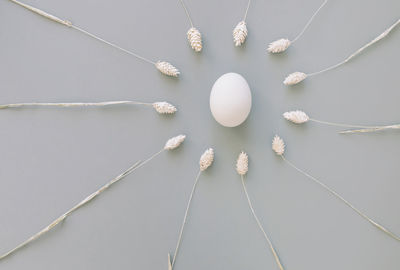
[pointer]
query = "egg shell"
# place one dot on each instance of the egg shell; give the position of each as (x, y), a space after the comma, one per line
(230, 100)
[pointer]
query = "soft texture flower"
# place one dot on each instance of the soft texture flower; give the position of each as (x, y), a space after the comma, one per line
(240, 33)
(278, 145)
(174, 142)
(297, 117)
(194, 37)
(279, 45)
(164, 107)
(206, 159)
(167, 69)
(295, 78)
(242, 163)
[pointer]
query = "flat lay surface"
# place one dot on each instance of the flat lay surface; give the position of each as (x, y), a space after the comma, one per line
(51, 158)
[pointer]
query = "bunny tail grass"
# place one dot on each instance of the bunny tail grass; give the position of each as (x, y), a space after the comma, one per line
(375, 40)
(260, 226)
(160, 107)
(171, 144)
(69, 24)
(282, 44)
(69, 212)
(394, 236)
(370, 129)
(185, 219)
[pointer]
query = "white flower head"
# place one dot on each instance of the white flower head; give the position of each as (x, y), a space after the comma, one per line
(206, 159)
(278, 145)
(240, 33)
(297, 117)
(167, 69)
(242, 163)
(294, 78)
(164, 107)
(279, 45)
(194, 37)
(174, 142)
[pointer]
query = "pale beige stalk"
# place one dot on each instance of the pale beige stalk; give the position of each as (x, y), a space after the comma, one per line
(278, 140)
(137, 165)
(161, 107)
(205, 162)
(300, 117)
(295, 77)
(242, 167)
(163, 67)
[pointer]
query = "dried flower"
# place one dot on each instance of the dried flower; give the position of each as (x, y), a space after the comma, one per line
(301, 76)
(294, 78)
(206, 159)
(278, 145)
(194, 37)
(297, 117)
(242, 163)
(279, 45)
(240, 33)
(174, 142)
(282, 44)
(164, 107)
(167, 69)
(164, 67)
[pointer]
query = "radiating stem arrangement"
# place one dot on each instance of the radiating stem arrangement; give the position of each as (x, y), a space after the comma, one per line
(161, 107)
(242, 166)
(170, 145)
(206, 161)
(282, 44)
(300, 117)
(240, 31)
(164, 67)
(278, 146)
(296, 77)
(193, 34)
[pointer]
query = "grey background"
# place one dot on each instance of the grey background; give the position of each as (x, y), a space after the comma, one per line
(52, 158)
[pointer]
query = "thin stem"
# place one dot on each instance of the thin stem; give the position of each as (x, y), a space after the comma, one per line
(69, 24)
(261, 227)
(340, 124)
(247, 10)
(309, 22)
(187, 12)
(134, 167)
(381, 36)
(112, 44)
(365, 130)
(343, 200)
(65, 215)
(73, 104)
(184, 219)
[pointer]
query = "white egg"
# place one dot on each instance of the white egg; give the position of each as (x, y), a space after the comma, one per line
(230, 100)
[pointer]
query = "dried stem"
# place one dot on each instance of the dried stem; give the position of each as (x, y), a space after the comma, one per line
(74, 104)
(260, 226)
(308, 23)
(137, 165)
(361, 129)
(185, 219)
(343, 200)
(247, 10)
(381, 36)
(187, 13)
(340, 124)
(69, 24)
(372, 129)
